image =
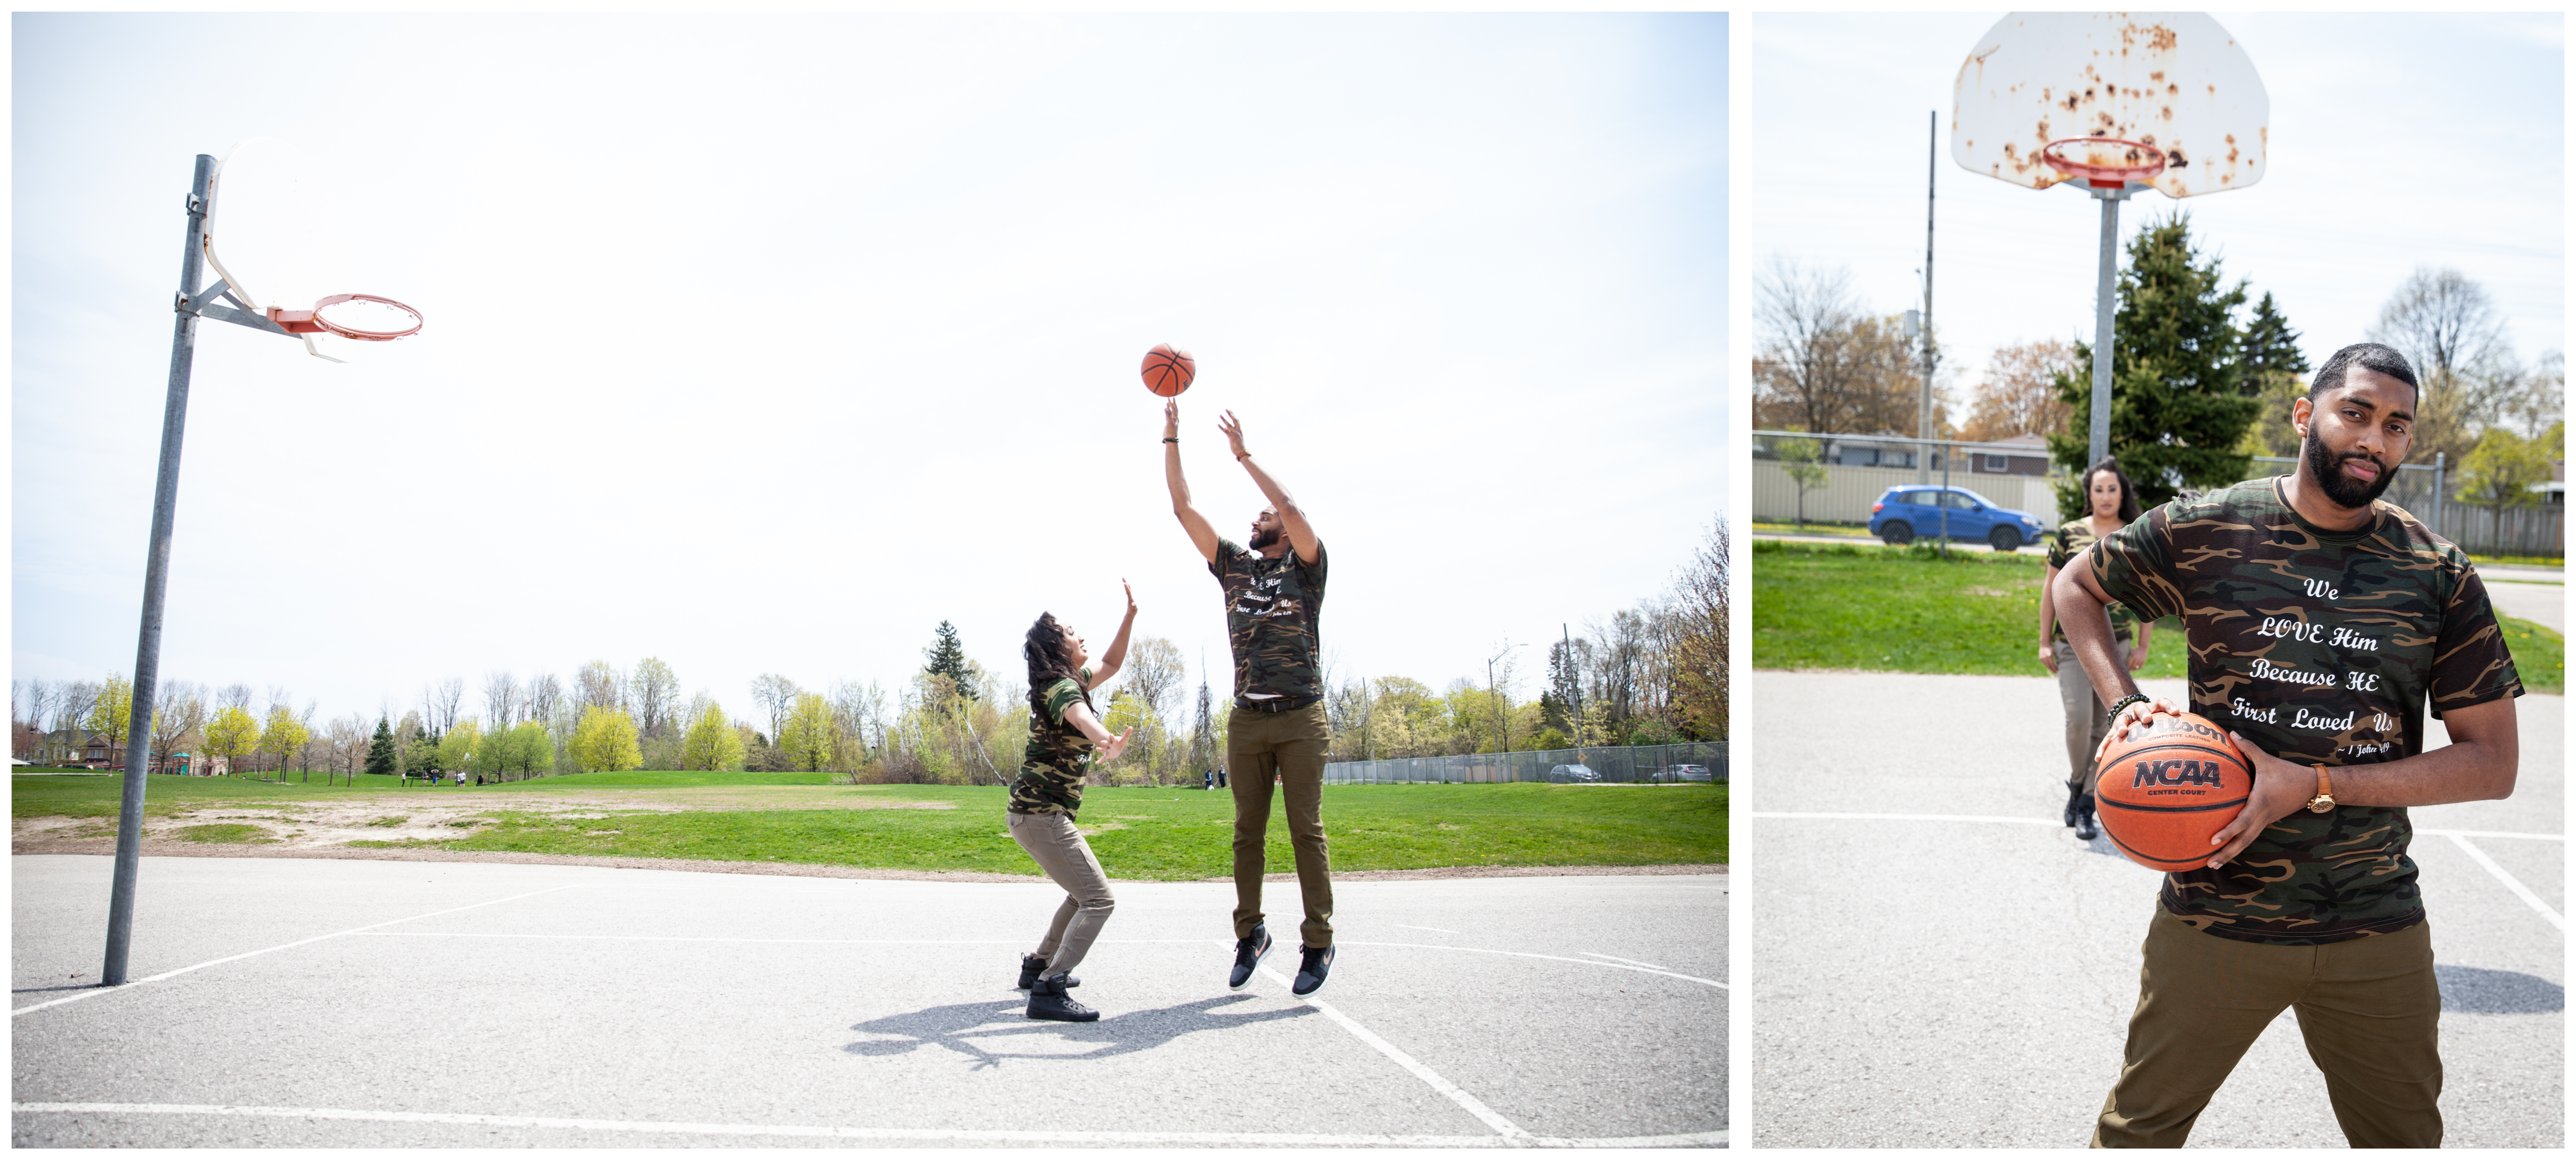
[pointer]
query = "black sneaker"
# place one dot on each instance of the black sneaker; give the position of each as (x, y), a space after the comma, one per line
(1313, 964)
(1031, 966)
(1247, 955)
(1047, 1000)
(2074, 798)
(2085, 829)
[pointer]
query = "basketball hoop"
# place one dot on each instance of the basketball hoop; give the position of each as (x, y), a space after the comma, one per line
(368, 308)
(2104, 162)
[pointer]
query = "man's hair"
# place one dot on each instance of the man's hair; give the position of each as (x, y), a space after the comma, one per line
(1044, 650)
(2369, 356)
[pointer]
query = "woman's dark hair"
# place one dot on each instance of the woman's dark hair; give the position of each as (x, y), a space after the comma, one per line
(2128, 491)
(1048, 663)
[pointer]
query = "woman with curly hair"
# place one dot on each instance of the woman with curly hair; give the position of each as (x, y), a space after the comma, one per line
(1064, 732)
(2110, 503)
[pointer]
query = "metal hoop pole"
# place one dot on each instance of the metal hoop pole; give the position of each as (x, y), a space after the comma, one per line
(2104, 305)
(156, 583)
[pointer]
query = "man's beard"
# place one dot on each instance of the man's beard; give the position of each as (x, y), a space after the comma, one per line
(1264, 537)
(2339, 487)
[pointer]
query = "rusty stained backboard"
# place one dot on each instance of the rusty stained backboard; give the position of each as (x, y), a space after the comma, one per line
(2174, 80)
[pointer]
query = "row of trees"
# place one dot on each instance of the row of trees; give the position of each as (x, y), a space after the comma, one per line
(2203, 375)
(1649, 674)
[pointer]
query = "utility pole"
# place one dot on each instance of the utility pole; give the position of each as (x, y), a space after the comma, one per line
(1931, 182)
(1493, 692)
(1576, 684)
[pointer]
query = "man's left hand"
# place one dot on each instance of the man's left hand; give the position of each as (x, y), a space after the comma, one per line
(2280, 789)
(1233, 429)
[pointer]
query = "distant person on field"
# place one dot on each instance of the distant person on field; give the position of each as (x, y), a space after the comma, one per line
(1274, 596)
(1063, 732)
(2110, 504)
(2320, 624)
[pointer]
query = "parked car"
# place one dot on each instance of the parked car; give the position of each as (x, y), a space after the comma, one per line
(1572, 773)
(1682, 773)
(1907, 511)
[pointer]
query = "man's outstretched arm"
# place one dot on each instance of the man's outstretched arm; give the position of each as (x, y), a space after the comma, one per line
(1292, 519)
(1201, 532)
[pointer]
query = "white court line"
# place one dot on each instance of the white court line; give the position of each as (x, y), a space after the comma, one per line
(1630, 962)
(102, 990)
(1914, 818)
(969, 1135)
(1618, 964)
(1475, 1107)
(2055, 822)
(2511, 883)
(2493, 834)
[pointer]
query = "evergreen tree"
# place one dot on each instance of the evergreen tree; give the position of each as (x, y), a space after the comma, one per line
(2182, 395)
(2270, 346)
(2275, 375)
(380, 751)
(947, 658)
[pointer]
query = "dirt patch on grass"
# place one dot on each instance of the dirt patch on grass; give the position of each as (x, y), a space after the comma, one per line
(299, 829)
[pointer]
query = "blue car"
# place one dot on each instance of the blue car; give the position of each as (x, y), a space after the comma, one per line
(1908, 511)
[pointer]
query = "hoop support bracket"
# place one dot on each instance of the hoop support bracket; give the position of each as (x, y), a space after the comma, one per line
(207, 303)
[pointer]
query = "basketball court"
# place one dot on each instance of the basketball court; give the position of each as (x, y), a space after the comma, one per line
(278, 1002)
(1940, 963)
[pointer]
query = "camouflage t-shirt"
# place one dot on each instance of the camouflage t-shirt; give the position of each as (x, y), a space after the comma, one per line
(2318, 646)
(1271, 611)
(1050, 780)
(2064, 545)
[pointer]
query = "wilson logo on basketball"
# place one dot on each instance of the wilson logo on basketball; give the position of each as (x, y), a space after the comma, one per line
(2181, 771)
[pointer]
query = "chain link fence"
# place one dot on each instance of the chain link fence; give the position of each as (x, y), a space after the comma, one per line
(1703, 761)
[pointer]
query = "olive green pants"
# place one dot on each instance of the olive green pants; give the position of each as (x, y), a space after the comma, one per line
(2088, 720)
(1287, 748)
(1060, 851)
(2368, 1008)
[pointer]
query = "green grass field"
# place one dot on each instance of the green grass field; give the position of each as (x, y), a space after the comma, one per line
(1137, 832)
(1838, 606)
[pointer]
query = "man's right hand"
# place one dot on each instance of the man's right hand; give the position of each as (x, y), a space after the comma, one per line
(2134, 715)
(1171, 418)
(2048, 657)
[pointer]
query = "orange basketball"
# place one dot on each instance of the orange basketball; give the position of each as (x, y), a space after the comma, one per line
(1168, 372)
(2163, 791)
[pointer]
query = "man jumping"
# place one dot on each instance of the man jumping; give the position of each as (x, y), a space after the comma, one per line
(1274, 592)
(2321, 623)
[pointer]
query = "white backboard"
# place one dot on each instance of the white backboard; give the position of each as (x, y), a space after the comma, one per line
(2174, 80)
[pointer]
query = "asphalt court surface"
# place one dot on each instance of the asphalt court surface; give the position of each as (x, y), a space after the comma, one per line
(476, 1004)
(1968, 982)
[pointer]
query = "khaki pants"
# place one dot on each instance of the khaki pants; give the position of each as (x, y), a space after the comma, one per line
(1289, 748)
(2088, 720)
(2368, 1008)
(1066, 858)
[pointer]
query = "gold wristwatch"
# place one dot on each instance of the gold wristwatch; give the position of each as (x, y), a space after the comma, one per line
(2324, 801)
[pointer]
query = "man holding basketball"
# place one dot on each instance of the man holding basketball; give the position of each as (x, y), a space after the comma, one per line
(2320, 622)
(1274, 595)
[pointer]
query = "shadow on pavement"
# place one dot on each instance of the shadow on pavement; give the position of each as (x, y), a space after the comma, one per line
(2479, 991)
(954, 1026)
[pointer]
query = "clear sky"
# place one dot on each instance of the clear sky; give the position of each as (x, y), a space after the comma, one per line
(2398, 141)
(767, 343)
